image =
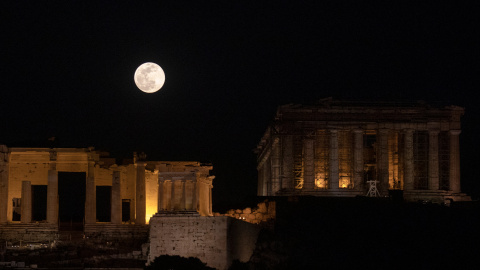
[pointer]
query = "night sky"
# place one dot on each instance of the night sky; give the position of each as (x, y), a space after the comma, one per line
(67, 71)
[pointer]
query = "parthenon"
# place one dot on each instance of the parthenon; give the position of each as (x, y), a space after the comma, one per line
(34, 185)
(337, 148)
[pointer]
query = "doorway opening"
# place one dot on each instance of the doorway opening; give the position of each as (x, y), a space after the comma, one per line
(104, 198)
(71, 200)
(39, 202)
(126, 210)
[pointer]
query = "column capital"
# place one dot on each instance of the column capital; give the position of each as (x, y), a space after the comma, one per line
(335, 131)
(433, 131)
(383, 130)
(455, 131)
(140, 164)
(53, 155)
(357, 130)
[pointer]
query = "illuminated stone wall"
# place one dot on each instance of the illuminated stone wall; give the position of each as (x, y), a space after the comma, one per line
(216, 241)
(151, 188)
(333, 148)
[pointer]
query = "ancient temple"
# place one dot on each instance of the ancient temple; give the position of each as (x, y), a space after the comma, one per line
(335, 148)
(36, 186)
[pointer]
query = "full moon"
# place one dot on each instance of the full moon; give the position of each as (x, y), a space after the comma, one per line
(149, 77)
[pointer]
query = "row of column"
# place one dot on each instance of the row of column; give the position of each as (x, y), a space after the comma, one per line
(433, 161)
(52, 200)
(177, 195)
(382, 161)
(173, 195)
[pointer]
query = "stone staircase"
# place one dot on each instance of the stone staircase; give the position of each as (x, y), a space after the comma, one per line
(33, 232)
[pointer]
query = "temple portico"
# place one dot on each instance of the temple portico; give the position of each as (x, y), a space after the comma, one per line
(334, 148)
(35, 180)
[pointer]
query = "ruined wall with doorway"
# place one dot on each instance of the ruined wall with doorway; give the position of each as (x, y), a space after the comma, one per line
(39, 173)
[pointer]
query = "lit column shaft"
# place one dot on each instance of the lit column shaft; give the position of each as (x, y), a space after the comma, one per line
(408, 160)
(172, 198)
(358, 159)
(195, 195)
(433, 180)
(91, 195)
(183, 198)
(309, 165)
(455, 161)
(161, 195)
(333, 156)
(276, 186)
(383, 161)
(140, 194)
(26, 216)
(3, 184)
(287, 163)
(116, 208)
(52, 196)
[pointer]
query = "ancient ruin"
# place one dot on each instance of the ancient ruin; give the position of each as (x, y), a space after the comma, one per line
(142, 209)
(36, 183)
(349, 149)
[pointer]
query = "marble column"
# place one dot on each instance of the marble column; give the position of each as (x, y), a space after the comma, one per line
(309, 164)
(168, 195)
(188, 195)
(267, 182)
(195, 195)
(52, 196)
(333, 160)
(210, 209)
(455, 161)
(116, 208)
(358, 159)
(182, 203)
(276, 186)
(382, 162)
(3, 189)
(287, 162)
(26, 210)
(433, 165)
(140, 193)
(408, 160)
(91, 195)
(173, 198)
(161, 195)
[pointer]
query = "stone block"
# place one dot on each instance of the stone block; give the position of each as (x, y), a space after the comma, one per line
(262, 207)
(206, 238)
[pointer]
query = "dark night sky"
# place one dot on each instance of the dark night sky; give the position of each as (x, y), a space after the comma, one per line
(67, 71)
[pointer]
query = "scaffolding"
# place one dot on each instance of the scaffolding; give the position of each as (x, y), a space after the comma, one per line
(298, 162)
(373, 191)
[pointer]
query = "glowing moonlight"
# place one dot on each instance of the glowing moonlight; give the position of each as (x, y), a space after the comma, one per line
(149, 77)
